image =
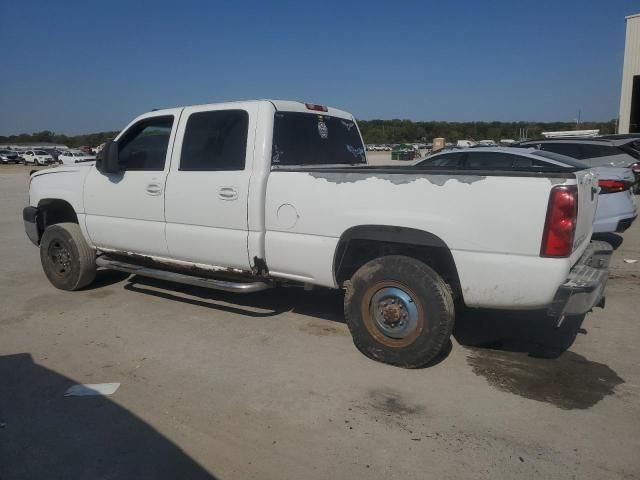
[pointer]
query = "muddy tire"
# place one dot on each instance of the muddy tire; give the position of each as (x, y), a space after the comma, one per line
(399, 311)
(67, 260)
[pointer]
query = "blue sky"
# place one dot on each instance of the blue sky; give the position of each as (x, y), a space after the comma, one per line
(81, 66)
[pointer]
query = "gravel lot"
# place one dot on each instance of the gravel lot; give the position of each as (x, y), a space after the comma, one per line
(269, 386)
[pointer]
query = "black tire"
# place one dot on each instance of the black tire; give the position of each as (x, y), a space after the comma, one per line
(67, 260)
(388, 328)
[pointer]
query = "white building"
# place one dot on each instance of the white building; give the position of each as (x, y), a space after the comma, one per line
(630, 94)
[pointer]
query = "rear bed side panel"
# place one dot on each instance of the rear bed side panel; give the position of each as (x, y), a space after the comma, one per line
(501, 218)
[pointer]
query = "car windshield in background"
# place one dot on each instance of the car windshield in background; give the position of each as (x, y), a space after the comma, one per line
(560, 158)
(313, 139)
(41, 152)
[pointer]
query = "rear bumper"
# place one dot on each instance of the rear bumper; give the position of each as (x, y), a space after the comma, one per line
(30, 218)
(584, 287)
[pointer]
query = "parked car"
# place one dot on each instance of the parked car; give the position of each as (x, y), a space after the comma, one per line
(616, 208)
(629, 143)
(87, 150)
(75, 156)
(37, 157)
(245, 196)
(595, 151)
(55, 153)
(9, 156)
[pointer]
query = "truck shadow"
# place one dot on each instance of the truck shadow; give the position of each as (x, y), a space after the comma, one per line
(324, 304)
(523, 353)
(612, 239)
(46, 435)
(531, 332)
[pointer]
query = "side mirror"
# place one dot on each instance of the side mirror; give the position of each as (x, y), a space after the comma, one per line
(107, 159)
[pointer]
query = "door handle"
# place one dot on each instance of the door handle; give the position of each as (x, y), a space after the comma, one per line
(154, 189)
(228, 193)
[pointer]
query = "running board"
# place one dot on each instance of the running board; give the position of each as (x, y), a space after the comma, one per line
(224, 285)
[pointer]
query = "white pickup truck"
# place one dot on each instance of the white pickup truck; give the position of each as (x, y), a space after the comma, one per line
(246, 196)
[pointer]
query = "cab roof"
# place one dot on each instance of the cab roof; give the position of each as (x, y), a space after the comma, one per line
(279, 105)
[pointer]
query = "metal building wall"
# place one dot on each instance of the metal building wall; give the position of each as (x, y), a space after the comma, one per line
(631, 67)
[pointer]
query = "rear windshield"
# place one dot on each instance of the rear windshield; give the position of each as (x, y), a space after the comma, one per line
(561, 158)
(315, 139)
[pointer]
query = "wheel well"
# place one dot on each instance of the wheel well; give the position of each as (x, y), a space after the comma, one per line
(52, 211)
(359, 245)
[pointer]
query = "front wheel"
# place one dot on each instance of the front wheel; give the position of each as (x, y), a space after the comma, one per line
(399, 311)
(67, 260)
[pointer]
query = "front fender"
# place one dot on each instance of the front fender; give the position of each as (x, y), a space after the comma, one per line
(61, 184)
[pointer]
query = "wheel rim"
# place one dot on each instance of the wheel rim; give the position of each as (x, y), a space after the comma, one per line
(60, 258)
(392, 314)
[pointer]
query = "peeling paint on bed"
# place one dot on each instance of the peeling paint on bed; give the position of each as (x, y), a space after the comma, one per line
(396, 179)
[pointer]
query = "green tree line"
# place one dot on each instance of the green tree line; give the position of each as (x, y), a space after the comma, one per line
(90, 139)
(401, 131)
(373, 131)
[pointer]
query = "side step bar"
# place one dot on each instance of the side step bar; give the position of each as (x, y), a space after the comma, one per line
(224, 285)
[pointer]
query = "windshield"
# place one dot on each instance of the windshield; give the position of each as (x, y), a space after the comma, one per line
(41, 152)
(315, 139)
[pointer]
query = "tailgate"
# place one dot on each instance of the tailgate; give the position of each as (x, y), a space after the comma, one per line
(587, 203)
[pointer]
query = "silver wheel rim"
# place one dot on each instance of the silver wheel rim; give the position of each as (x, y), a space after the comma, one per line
(395, 312)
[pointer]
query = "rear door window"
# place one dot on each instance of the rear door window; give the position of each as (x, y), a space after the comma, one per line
(215, 141)
(445, 160)
(492, 160)
(315, 139)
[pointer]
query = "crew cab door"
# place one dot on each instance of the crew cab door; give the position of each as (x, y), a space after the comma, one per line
(207, 188)
(125, 210)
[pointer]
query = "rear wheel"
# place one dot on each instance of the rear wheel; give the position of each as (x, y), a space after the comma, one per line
(399, 311)
(67, 260)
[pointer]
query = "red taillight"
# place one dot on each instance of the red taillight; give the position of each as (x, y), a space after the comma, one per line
(560, 225)
(317, 108)
(613, 186)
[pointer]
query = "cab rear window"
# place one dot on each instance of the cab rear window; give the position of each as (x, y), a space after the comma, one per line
(313, 139)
